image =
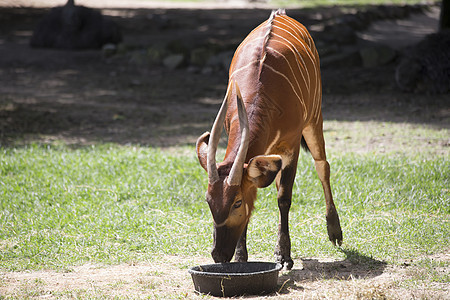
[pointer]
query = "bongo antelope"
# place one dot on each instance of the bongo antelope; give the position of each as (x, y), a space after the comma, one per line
(272, 106)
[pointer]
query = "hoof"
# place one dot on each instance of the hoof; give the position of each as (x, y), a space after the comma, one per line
(335, 235)
(334, 229)
(287, 263)
(336, 241)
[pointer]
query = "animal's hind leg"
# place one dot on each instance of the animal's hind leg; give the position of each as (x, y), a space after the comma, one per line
(313, 135)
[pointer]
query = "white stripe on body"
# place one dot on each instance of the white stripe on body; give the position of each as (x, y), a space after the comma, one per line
(292, 47)
(245, 67)
(297, 61)
(298, 34)
(275, 140)
(302, 31)
(316, 102)
(298, 84)
(287, 79)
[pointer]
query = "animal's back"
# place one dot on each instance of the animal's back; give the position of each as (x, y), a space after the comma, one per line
(277, 63)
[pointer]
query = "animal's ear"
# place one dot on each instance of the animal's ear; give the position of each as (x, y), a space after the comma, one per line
(263, 169)
(202, 149)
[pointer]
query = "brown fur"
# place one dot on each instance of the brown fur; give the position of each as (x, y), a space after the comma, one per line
(277, 71)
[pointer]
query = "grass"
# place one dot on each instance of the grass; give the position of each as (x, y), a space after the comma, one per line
(428, 269)
(391, 208)
(111, 204)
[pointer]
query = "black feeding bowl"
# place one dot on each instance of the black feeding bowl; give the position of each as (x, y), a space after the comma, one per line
(236, 278)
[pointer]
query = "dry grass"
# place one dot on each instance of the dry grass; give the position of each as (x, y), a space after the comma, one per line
(168, 279)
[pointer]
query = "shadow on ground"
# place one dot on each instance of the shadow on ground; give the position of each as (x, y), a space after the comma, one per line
(354, 266)
(87, 97)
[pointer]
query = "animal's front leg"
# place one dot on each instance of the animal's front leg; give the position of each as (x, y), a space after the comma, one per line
(241, 248)
(284, 185)
(283, 248)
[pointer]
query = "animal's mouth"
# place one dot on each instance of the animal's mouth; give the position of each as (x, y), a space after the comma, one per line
(221, 257)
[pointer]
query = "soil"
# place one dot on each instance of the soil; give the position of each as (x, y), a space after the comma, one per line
(86, 97)
(311, 278)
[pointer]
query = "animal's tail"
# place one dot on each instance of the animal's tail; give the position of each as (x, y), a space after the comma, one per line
(304, 144)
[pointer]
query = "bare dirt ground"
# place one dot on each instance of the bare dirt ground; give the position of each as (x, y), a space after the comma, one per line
(85, 97)
(168, 279)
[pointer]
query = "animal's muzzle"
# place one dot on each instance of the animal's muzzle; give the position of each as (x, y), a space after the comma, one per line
(220, 256)
(224, 244)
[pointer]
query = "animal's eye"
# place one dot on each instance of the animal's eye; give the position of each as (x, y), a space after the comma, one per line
(237, 204)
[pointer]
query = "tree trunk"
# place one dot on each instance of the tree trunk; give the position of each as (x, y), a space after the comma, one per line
(444, 22)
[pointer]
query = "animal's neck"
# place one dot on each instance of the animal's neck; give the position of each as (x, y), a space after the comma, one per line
(258, 136)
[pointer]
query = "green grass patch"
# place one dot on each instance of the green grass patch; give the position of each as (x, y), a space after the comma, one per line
(104, 204)
(432, 270)
(110, 204)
